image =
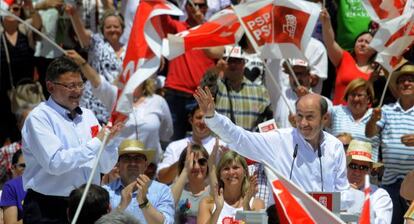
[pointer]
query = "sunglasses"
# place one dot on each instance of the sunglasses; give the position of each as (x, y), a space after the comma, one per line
(15, 8)
(199, 5)
(354, 166)
(129, 158)
(21, 165)
(201, 162)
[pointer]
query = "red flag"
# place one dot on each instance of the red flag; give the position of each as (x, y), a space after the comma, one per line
(222, 29)
(295, 206)
(394, 36)
(142, 57)
(365, 217)
(382, 10)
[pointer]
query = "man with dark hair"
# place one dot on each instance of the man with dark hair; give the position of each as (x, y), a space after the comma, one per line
(311, 158)
(96, 204)
(147, 200)
(60, 142)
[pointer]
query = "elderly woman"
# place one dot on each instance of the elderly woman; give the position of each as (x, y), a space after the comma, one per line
(349, 66)
(105, 54)
(150, 121)
(191, 185)
(353, 117)
(233, 191)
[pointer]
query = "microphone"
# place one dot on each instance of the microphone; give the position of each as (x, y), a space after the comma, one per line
(320, 163)
(295, 153)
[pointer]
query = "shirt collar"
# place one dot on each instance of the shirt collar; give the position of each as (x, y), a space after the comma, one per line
(397, 107)
(61, 110)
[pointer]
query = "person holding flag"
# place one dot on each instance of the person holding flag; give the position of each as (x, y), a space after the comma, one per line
(360, 163)
(312, 158)
(394, 123)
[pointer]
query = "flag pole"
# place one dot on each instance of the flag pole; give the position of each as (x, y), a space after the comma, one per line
(410, 26)
(88, 184)
(33, 29)
(256, 49)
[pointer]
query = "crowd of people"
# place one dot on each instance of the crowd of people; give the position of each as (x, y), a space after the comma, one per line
(191, 150)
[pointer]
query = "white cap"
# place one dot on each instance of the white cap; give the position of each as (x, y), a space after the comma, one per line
(233, 52)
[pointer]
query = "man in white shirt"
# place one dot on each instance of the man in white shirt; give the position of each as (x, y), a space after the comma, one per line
(360, 164)
(310, 157)
(60, 143)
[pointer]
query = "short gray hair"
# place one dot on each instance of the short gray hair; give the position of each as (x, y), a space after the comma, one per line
(117, 217)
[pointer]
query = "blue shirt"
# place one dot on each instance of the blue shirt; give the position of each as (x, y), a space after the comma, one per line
(13, 195)
(159, 196)
(398, 158)
(60, 152)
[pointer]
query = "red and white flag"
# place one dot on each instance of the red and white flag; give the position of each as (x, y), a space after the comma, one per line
(295, 206)
(382, 10)
(388, 62)
(5, 4)
(294, 22)
(365, 217)
(223, 28)
(394, 36)
(142, 57)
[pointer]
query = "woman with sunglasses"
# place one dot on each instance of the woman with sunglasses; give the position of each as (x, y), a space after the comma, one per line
(233, 191)
(191, 185)
(17, 60)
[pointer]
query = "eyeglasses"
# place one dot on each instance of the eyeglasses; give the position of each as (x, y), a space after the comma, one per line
(130, 158)
(354, 166)
(21, 165)
(405, 78)
(71, 86)
(235, 60)
(201, 162)
(199, 5)
(15, 8)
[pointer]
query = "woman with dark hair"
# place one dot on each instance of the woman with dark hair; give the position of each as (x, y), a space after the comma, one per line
(191, 185)
(233, 191)
(349, 66)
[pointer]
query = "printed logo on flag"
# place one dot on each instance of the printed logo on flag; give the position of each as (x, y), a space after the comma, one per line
(290, 25)
(399, 33)
(260, 24)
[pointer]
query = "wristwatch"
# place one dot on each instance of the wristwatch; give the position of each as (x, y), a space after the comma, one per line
(144, 204)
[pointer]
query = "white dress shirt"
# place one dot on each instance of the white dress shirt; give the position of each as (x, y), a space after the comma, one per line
(379, 201)
(60, 152)
(276, 149)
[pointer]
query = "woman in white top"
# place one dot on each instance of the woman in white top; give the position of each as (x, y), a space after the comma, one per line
(150, 121)
(233, 190)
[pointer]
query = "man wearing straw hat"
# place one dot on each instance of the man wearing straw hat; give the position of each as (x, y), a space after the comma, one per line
(360, 163)
(148, 200)
(395, 122)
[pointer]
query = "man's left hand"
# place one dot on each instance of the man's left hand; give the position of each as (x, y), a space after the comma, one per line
(142, 184)
(408, 140)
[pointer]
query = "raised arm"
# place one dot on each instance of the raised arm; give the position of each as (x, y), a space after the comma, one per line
(371, 127)
(90, 73)
(333, 48)
(178, 186)
(83, 34)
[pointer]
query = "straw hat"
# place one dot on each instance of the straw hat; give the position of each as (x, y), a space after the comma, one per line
(407, 186)
(405, 69)
(361, 151)
(132, 146)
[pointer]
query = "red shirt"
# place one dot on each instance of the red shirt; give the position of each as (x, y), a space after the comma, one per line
(186, 71)
(345, 73)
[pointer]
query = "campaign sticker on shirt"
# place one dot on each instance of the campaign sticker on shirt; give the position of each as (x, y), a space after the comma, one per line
(267, 126)
(94, 131)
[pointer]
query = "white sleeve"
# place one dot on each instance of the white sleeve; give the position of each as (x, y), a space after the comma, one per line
(106, 93)
(382, 207)
(253, 145)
